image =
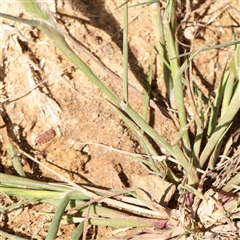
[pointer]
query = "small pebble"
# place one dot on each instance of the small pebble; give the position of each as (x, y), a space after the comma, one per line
(45, 136)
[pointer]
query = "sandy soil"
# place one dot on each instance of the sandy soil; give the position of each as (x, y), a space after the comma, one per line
(68, 103)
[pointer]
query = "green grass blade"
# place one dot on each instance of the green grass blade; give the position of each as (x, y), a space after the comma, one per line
(15, 160)
(18, 204)
(169, 9)
(216, 105)
(182, 131)
(39, 11)
(228, 91)
(237, 62)
(60, 42)
(198, 108)
(233, 73)
(10, 236)
(199, 94)
(129, 221)
(78, 231)
(123, 4)
(198, 140)
(222, 126)
(32, 194)
(163, 168)
(177, 82)
(187, 165)
(152, 163)
(223, 98)
(144, 3)
(172, 16)
(195, 192)
(125, 54)
(82, 206)
(56, 37)
(33, 23)
(22, 182)
(146, 128)
(53, 229)
(157, 23)
(147, 96)
(234, 181)
(227, 44)
(145, 142)
(174, 151)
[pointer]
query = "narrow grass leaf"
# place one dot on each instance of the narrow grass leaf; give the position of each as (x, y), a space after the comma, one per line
(78, 231)
(237, 62)
(173, 20)
(177, 82)
(144, 3)
(228, 91)
(60, 42)
(234, 181)
(233, 73)
(10, 236)
(164, 170)
(147, 96)
(169, 9)
(152, 162)
(16, 205)
(194, 191)
(175, 151)
(182, 131)
(53, 229)
(34, 23)
(187, 165)
(22, 182)
(144, 141)
(130, 222)
(222, 126)
(193, 232)
(128, 121)
(227, 44)
(199, 120)
(10, 149)
(32, 194)
(86, 223)
(39, 11)
(216, 105)
(123, 4)
(125, 54)
(82, 206)
(157, 23)
(15, 160)
(143, 125)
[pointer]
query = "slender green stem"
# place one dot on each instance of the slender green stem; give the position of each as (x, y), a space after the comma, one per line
(125, 54)
(174, 151)
(157, 23)
(53, 229)
(147, 94)
(222, 126)
(178, 86)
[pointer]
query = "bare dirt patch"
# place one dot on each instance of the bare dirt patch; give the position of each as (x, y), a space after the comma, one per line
(42, 90)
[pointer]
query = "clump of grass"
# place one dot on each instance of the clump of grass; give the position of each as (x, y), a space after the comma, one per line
(196, 157)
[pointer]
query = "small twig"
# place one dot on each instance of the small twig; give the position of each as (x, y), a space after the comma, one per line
(157, 158)
(85, 227)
